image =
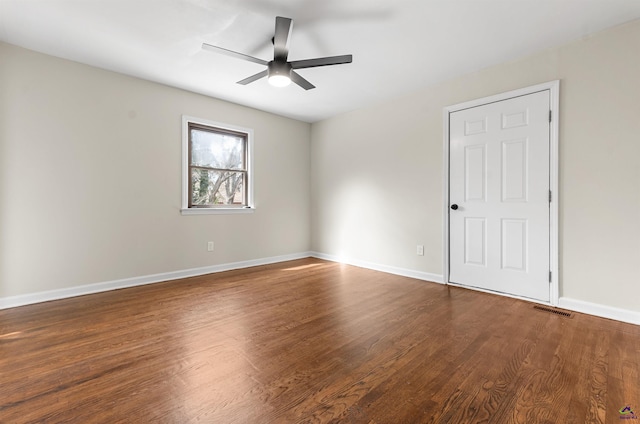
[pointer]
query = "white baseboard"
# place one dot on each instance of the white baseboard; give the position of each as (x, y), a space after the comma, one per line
(28, 299)
(602, 311)
(419, 275)
(618, 314)
(595, 309)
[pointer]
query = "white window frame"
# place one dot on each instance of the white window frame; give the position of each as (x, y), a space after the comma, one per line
(216, 210)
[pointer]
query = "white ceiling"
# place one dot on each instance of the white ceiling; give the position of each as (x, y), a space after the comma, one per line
(397, 45)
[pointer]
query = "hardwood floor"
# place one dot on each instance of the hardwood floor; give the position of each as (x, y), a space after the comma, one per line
(310, 341)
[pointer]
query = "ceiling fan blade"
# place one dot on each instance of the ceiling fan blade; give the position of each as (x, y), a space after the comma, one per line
(321, 61)
(281, 38)
(253, 78)
(295, 77)
(231, 53)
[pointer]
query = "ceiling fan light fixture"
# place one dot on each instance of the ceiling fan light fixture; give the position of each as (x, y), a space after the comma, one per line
(279, 80)
(279, 74)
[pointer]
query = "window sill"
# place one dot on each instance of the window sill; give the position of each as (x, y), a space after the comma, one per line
(216, 211)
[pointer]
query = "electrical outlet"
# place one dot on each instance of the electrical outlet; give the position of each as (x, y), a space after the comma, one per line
(420, 250)
(210, 246)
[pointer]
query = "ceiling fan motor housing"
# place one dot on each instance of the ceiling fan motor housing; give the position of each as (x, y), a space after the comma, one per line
(279, 68)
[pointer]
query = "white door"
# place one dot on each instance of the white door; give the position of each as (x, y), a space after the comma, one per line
(499, 196)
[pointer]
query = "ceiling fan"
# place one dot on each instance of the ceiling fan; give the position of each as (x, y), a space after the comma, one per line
(279, 71)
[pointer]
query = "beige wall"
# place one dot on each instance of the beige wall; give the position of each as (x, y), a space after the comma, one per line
(90, 179)
(376, 173)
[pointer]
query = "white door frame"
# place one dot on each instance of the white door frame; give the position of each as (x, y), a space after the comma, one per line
(554, 91)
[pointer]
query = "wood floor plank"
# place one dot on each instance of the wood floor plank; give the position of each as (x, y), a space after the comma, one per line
(433, 361)
(311, 341)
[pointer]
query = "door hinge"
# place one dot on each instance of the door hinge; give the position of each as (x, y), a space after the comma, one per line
(550, 115)
(549, 276)
(549, 196)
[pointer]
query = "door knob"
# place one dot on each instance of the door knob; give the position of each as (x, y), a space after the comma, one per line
(454, 207)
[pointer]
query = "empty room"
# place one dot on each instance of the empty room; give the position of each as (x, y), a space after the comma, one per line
(304, 211)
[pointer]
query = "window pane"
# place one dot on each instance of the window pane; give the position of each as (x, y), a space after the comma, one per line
(217, 150)
(217, 187)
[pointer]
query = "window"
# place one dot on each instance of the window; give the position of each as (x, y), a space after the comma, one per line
(216, 168)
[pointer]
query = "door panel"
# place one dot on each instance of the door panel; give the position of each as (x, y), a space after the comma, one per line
(514, 170)
(475, 241)
(499, 178)
(514, 244)
(475, 176)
